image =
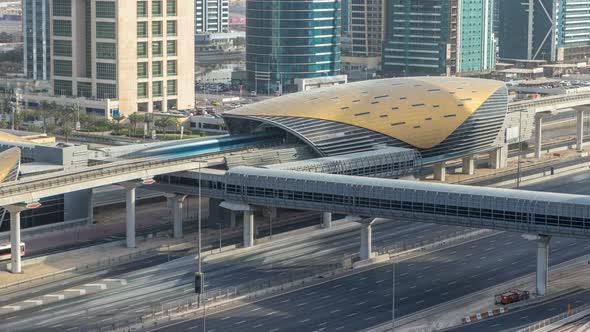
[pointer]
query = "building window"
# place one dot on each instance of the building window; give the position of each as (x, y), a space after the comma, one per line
(171, 28)
(84, 89)
(157, 89)
(142, 9)
(106, 91)
(62, 68)
(142, 29)
(156, 48)
(171, 7)
(62, 47)
(156, 8)
(142, 90)
(106, 51)
(171, 47)
(157, 68)
(157, 29)
(171, 88)
(62, 28)
(62, 8)
(142, 51)
(142, 70)
(105, 30)
(171, 67)
(105, 9)
(142, 107)
(172, 104)
(106, 71)
(62, 88)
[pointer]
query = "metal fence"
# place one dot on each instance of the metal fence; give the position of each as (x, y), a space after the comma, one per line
(554, 319)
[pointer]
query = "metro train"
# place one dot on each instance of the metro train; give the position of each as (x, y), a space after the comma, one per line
(5, 251)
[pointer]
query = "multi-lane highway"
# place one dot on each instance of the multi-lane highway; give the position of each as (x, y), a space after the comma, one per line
(529, 316)
(364, 300)
(146, 288)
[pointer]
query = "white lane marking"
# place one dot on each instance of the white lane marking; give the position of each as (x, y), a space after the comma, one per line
(377, 306)
(370, 317)
(273, 330)
(418, 302)
(102, 286)
(334, 311)
(495, 325)
(302, 304)
(240, 322)
(524, 317)
(336, 286)
(380, 281)
(193, 327)
(361, 303)
(255, 309)
(257, 326)
(352, 314)
(352, 289)
(80, 291)
(305, 320)
(271, 313)
(121, 281)
(326, 297)
(451, 283)
(12, 307)
(59, 296)
(285, 301)
(225, 318)
(37, 302)
(310, 293)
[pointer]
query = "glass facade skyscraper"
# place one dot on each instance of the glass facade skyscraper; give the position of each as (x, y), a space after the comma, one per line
(36, 39)
(552, 30)
(290, 39)
(439, 37)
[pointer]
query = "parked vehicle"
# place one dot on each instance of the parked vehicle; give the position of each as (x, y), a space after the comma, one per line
(511, 297)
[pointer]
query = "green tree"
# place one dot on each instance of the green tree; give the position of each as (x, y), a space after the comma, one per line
(163, 123)
(5, 109)
(66, 120)
(117, 123)
(43, 113)
(148, 119)
(134, 119)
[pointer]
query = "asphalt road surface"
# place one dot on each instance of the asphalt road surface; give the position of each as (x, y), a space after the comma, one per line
(364, 300)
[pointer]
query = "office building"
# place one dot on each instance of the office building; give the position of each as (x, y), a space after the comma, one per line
(361, 57)
(134, 52)
(439, 37)
(552, 30)
(290, 39)
(211, 16)
(36, 39)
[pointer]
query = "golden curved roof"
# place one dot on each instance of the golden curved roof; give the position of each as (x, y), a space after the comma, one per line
(8, 160)
(4, 136)
(421, 111)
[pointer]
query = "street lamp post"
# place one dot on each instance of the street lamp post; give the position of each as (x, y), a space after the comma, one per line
(219, 227)
(519, 150)
(393, 297)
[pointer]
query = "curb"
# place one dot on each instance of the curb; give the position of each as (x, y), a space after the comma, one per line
(484, 315)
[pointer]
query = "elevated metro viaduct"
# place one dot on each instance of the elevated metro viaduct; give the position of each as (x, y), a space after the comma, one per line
(441, 118)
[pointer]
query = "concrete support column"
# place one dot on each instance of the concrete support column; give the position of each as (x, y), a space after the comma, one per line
(469, 165)
(538, 135)
(327, 219)
(499, 157)
(130, 216)
(91, 207)
(248, 229)
(580, 130)
(366, 239)
(175, 204)
(542, 264)
(232, 219)
(15, 257)
(440, 171)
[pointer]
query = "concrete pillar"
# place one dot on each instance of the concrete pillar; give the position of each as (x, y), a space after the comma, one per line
(366, 239)
(130, 219)
(538, 135)
(469, 165)
(542, 264)
(90, 207)
(326, 219)
(499, 157)
(232, 219)
(175, 204)
(580, 131)
(248, 228)
(440, 171)
(15, 257)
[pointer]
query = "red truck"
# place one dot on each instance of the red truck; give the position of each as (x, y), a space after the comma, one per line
(511, 297)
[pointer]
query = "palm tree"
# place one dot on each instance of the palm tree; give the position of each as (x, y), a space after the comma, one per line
(5, 108)
(148, 118)
(178, 123)
(66, 120)
(43, 113)
(134, 119)
(163, 123)
(117, 123)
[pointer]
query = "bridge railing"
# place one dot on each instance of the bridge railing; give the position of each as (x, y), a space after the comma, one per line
(545, 101)
(547, 322)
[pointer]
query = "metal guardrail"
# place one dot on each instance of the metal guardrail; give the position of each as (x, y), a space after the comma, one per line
(554, 319)
(40, 230)
(257, 289)
(546, 101)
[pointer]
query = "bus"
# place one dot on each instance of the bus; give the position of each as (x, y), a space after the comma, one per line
(5, 251)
